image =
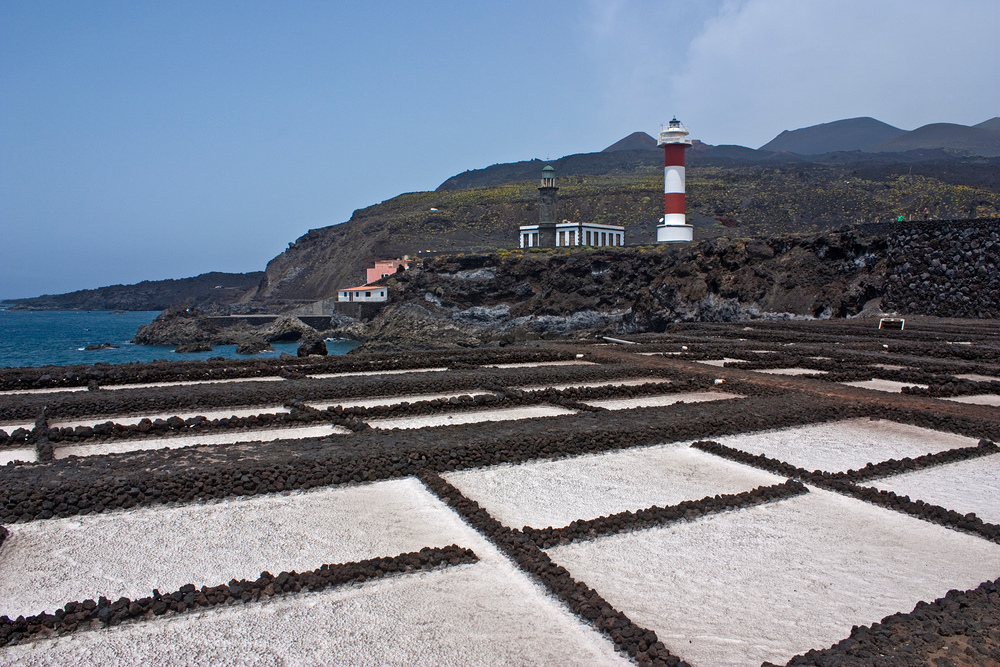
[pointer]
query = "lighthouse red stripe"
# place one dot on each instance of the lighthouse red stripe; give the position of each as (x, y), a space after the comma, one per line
(673, 155)
(673, 202)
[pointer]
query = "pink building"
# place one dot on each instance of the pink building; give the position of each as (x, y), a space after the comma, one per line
(385, 267)
(369, 292)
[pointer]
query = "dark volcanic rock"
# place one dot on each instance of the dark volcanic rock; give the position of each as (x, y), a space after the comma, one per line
(411, 327)
(176, 326)
(186, 348)
(102, 346)
(313, 347)
(253, 347)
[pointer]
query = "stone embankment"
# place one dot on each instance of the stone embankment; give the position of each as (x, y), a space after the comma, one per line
(949, 269)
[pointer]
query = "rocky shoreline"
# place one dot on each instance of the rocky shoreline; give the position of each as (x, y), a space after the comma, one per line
(191, 330)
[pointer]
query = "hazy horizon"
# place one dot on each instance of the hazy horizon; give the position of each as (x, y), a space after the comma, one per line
(146, 142)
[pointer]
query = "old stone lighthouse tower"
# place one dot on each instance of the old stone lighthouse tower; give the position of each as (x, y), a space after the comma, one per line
(548, 197)
(549, 233)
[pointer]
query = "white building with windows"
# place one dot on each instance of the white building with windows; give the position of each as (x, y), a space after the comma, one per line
(577, 234)
(364, 294)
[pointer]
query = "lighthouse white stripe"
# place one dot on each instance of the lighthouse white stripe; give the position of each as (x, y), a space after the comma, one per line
(673, 179)
(674, 219)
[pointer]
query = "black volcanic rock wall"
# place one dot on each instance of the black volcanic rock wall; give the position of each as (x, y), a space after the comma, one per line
(944, 268)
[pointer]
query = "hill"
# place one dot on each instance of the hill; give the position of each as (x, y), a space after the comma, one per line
(874, 136)
(637, 141)
(852, 134)
(948, 136)
(209, 292)
(993, 124)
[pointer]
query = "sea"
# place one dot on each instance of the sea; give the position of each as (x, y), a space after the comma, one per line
(60, 338)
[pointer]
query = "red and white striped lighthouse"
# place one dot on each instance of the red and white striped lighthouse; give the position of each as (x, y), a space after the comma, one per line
(673, 228)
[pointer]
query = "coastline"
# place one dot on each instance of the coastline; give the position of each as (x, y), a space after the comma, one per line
(33, 338)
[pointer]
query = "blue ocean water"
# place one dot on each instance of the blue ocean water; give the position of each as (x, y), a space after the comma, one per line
(38, 338)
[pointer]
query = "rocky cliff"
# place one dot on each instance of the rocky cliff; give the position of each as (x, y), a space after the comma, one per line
(506, 296)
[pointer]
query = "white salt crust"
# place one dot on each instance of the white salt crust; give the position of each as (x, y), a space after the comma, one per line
(477, 614)
(189, 383)
(324, 376)
(486, 613)
(848, 444)
(883, 385)
(771, 581)
(963, 486)
(978, 399)
(975, 377)
(48, 390)
(391, 400)
(888, 367)
(662, 400)
(538, 364)
(10, 427)
(556, 493)
(507, 414)
(221, 413)
(219, 438)
(717, 362)
(790, 371)
(600, 383)
(45, 564)
(25, 455)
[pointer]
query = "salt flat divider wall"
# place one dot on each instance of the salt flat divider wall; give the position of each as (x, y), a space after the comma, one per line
(85, 375)
(300, 413)
(99, 404)
(840, 482)
(660, 516)
(957, 613)
(185, 475)
(87, 614)
(641, 644)
(154, 477)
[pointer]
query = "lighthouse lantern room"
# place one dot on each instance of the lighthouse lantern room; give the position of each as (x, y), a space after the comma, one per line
(673, 227)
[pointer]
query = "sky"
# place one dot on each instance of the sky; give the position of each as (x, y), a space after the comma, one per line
(147, 140)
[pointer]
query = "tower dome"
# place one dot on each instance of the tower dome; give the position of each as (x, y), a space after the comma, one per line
(548, 177)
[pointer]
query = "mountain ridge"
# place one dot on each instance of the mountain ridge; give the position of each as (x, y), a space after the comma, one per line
(206, 291)
(873, 136)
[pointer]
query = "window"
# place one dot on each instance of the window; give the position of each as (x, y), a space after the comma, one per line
(368, 294)
(604, 238)
(534, 239)
(572, 238)
(588, 237)
(525, 241)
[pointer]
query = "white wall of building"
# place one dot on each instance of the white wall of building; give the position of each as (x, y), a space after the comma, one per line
(576, 234)
(363, 294)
